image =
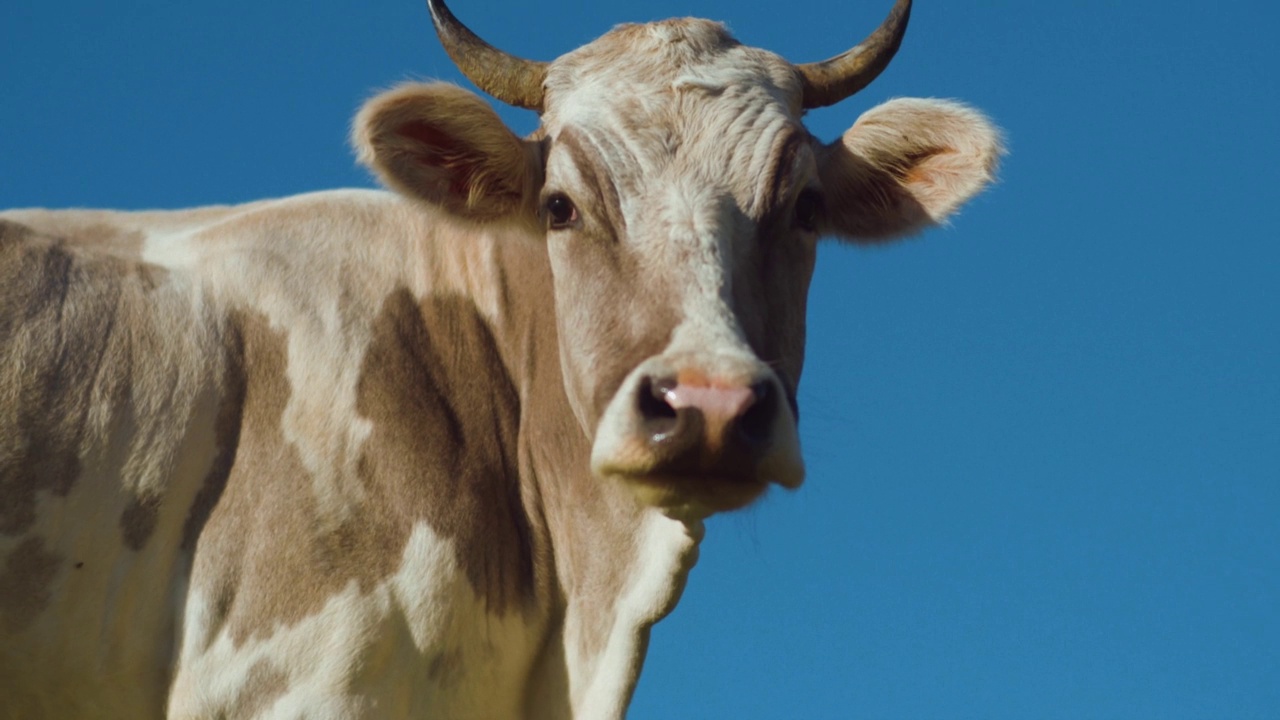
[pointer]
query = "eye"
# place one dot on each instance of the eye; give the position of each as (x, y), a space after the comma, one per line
(807, 210)
(561, 212)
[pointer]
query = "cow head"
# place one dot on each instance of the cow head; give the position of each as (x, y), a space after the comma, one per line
(681, 200)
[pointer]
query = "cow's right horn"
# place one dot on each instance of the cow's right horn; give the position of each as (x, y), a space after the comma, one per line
(830, 81)
(511, 79)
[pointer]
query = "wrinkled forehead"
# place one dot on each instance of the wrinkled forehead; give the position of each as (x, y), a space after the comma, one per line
(645, 94)
(660, 57)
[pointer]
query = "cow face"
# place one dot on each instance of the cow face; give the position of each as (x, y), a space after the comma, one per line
(681, 200)
(676, 226)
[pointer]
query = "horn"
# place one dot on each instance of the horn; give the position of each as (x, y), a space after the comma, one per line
(511, 79)
(830, 81)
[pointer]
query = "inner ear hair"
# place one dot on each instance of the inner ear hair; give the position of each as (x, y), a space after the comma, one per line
(445, 145)
(906, 165)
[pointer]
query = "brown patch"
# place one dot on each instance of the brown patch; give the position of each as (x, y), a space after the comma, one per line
(44, 362)
(26, 472)
(443, 446)
(26, 583)
(262, 554)
(226, 440)
(445, 668)
(83, 344)
(138, 520)
(76, 326)
(441, 450)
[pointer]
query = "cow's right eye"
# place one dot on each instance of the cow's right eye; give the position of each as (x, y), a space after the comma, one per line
(560, 212)
(808, 208)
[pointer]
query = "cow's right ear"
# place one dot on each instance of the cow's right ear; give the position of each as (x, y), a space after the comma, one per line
(442, 144)
(906, 165)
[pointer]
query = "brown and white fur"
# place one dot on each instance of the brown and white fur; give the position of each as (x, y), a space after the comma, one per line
(365, 454)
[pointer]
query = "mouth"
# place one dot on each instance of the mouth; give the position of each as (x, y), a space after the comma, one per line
(698, 484)
(692, 493)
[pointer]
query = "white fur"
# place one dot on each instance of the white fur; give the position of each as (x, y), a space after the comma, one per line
(665, 549)
(352, 660)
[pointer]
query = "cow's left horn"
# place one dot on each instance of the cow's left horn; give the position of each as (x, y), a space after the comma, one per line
(830, 81)
(511, 79)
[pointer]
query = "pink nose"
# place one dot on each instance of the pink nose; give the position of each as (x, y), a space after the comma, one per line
(694, 422)
(720, 403)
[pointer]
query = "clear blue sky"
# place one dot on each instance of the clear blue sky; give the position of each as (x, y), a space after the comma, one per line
(1044, 444)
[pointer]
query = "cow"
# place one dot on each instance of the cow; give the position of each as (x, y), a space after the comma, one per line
(443, 450)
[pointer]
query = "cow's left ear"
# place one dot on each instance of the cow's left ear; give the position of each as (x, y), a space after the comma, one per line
(904, 166)
(443, 144)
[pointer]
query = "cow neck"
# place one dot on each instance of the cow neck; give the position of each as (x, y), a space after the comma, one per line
(616, 567)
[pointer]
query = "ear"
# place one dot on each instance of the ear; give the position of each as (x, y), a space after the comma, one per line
(906, 165)
(442, 144)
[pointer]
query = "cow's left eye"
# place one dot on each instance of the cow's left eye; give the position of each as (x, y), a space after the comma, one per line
(808, 208)
(561, 212)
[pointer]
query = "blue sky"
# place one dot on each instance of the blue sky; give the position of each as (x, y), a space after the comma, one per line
(1044, 444)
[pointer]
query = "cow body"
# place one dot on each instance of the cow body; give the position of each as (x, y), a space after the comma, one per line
(396, 405)
(442, 452)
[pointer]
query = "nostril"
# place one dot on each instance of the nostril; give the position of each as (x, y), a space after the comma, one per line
(656, 412)
(653, 399)
(756, 423)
